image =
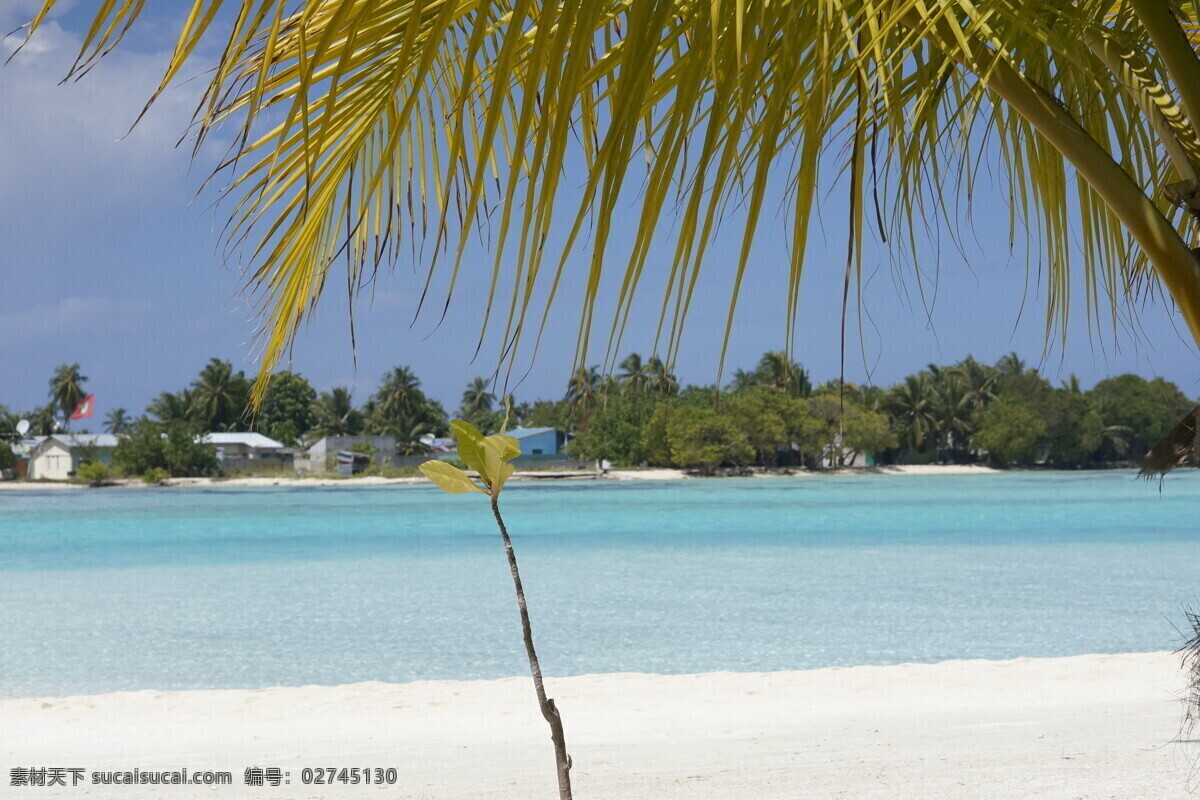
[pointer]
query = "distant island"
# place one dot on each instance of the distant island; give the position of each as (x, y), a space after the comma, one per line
(770, 419)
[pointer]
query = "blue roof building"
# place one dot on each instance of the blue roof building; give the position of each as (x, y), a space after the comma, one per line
(539, 442)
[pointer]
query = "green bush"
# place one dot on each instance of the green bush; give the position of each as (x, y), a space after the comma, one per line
(7, 459)
(1149, 409)
(172, 447)
(287, 410)
(614, 432)
(155, 475)
(1009, 430)
(94, 473)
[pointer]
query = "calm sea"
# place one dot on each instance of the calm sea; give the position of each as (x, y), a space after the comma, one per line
(104, 590)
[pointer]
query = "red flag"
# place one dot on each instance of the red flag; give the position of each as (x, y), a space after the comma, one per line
(85, 408)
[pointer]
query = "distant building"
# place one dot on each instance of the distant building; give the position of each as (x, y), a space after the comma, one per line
(383, 450)
(57, 457)
(237, 451)
(351, 463)
(21, 450)
(831, 455)
(539, 442)
(322, 455)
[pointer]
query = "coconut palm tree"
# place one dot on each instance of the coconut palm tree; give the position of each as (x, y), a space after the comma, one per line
(66, 389)
(172, 406)
(407, 431)
(1072, 385)
(219, 396)
(336, 414)
(1010, 366)
(950, 410)
(911, 403)
(659, 378)
(634, 372)
(399, 392)
(42, 421)
(775, 368)
(639, 374)
(117, 421)
(477, 399)
(979, 380)
(586, 386)
(742, 379)
(408, 438)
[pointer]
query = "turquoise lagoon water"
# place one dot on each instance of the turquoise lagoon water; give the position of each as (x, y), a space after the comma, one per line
(215, 588)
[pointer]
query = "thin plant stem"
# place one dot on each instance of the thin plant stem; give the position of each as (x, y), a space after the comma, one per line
(549, 710)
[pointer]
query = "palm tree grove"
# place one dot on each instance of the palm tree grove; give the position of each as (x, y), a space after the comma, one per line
(1084, 105)
(768, 416)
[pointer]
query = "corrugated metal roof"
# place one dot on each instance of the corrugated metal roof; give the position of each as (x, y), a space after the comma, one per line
(86, 439)
(255, 440)
(524, 433)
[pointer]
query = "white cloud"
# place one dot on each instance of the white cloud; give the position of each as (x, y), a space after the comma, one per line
(71, 143)
(69, 316)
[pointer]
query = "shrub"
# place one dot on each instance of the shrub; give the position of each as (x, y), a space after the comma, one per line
(703, 439)
(1009, 430)
(172, 447)
(94, 473)
(656, 447)
(614, 431)
(155, 475)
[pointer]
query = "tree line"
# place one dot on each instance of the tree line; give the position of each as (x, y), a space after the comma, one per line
(1005, 414)
(772, 415)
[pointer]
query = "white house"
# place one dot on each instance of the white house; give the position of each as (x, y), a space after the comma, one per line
(57, 457)
(248, 450)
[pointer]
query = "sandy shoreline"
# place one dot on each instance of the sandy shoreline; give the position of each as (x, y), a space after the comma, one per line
(1081, 727)
(530, 476)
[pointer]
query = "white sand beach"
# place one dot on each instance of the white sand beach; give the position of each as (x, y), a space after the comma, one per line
(649, 474)
(1096, 726)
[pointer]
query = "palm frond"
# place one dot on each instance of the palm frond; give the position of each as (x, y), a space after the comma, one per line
(375, 130)
(1180, 447)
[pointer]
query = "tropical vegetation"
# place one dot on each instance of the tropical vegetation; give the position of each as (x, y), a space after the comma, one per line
(366, 124)
(117, 421)
(173, 448)
(769, 415)
(969, 412)
(66, 390)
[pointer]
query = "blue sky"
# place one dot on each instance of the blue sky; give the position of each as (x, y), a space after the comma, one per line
(104, 264)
